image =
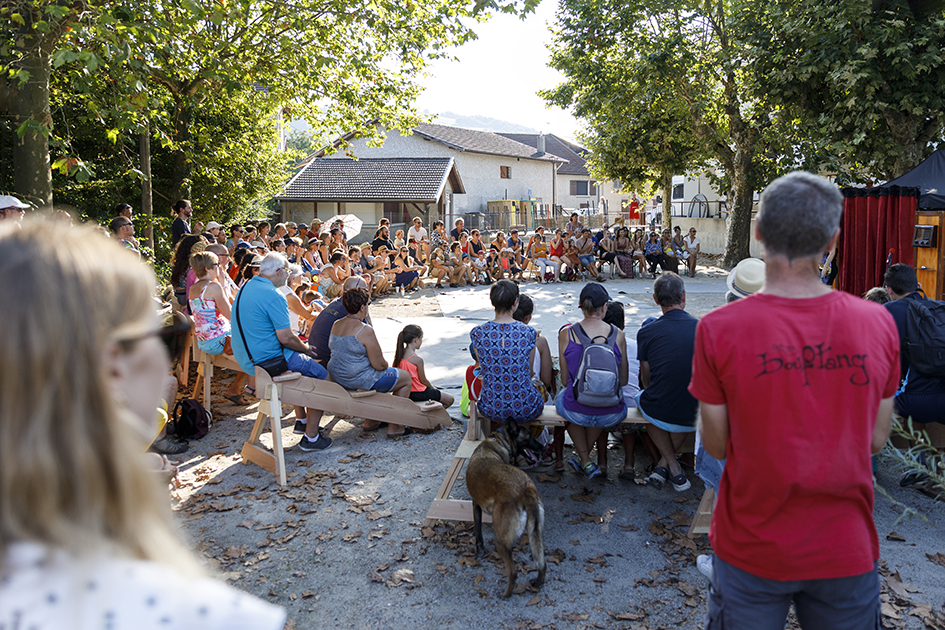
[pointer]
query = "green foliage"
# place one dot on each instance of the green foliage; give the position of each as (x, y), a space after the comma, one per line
(921, 458)
(859, 90)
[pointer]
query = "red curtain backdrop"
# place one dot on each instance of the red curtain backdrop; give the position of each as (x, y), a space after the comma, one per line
(875, 221)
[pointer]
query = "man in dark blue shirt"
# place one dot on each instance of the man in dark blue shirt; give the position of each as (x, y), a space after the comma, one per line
(664, 348)
(922, 396)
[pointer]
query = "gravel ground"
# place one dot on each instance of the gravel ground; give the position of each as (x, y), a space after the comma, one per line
(342, 545)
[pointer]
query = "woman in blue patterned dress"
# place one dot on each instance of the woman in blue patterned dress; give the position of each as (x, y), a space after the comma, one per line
(504, 348)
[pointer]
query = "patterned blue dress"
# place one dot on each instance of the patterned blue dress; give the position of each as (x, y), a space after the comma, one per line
(507, 390)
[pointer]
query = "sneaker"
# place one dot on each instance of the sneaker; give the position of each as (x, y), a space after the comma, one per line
(591, 470)
(680, 483)
(299, 428)
(323, 443)
(575, 465)
(914, 480)
(704, 564)
(658, 477)
(169, 446)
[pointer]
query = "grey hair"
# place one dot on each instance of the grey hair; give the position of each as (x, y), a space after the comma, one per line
(799, 214)
(273, 263)
(295, 270)
(669, 289)
(353, 282)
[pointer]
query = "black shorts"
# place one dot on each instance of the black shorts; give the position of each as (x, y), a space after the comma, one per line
(428, 394)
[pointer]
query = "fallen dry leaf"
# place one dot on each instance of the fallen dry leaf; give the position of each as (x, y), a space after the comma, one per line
(938, 558)
(533, 601)
(542, 477)
(376, 534)
(893, 536)
(351, 537)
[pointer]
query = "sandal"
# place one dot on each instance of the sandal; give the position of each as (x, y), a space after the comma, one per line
(365, 428)
(248, 391)
(627, 474)
(239, 400)
(407, 431)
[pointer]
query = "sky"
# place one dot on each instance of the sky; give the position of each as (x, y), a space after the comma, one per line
(499, 74)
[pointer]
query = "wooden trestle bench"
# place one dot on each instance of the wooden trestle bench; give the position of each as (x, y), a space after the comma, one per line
(447, 509)
(294, 389)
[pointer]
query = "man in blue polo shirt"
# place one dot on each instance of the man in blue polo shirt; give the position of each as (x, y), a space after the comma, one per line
(261, 330)
(665, 348)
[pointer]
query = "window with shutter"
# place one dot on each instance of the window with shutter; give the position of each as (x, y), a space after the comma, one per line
(505, 172)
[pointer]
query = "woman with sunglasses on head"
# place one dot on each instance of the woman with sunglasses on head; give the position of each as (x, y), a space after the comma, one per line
(211, 310)
(87, 539)
(408, 271)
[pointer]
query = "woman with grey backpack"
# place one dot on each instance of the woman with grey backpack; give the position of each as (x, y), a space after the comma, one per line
(593, 361)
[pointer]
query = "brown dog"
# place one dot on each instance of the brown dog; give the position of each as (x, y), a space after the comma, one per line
(509, 495)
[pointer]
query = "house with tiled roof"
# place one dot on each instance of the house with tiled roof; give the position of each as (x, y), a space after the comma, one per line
(371, 188)
(493, 166)
(575, 188)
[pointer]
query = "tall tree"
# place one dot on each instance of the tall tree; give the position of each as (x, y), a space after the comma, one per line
(688, 49)
(338, 63)
(863, 87)
(638, 129)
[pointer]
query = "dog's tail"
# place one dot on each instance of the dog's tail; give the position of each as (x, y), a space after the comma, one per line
(536, 528)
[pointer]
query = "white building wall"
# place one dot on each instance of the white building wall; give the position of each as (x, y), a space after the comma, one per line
(573, 202)
(479, 172)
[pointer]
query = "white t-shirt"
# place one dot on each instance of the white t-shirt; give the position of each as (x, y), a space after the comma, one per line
(284, 291)
(48, 590)
(691, 242)
(417, 235)
(633, 374)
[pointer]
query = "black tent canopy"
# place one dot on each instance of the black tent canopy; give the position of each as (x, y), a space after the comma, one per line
(929, 178)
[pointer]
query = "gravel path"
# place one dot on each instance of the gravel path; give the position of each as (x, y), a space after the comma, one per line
(343, 544)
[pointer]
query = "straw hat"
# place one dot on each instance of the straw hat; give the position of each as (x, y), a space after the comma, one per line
(747, 277)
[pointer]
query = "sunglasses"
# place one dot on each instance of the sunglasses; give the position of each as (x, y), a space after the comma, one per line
(173, 336)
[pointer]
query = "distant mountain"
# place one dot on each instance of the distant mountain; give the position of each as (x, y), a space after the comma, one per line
(450, 119)
(480, 123)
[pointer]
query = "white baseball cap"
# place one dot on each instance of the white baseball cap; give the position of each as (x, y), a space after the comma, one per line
(213, 224)
(7, 201)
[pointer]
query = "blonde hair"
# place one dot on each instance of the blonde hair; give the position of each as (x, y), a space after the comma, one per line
(72, 471)
(200, 262)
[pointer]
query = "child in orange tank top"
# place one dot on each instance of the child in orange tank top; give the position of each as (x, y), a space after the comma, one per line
(406, 358)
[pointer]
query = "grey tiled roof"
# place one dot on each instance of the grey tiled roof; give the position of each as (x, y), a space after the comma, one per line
(574, 154)
(378, 179)
(481, 142)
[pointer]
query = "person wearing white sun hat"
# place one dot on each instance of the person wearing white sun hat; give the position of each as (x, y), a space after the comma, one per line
(12, 208)
(746, 278)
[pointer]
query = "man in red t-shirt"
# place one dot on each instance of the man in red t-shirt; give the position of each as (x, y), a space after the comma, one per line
(795, 385)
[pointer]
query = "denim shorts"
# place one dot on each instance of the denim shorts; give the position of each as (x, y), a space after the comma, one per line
(587, 259)
(586, 420)
(212, 346)
(306, 365)
(386, 382)
(666, 426)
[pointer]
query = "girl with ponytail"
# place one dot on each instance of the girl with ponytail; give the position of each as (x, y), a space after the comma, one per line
(406, 358)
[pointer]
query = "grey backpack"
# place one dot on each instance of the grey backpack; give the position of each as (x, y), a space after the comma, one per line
(597, 382)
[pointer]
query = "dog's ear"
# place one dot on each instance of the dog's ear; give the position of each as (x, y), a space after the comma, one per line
(511, 428)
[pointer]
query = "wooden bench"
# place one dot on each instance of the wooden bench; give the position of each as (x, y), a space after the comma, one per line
(294, 389)
(447, 509)
(205, 364)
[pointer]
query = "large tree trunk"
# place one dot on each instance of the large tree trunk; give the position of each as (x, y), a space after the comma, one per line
(147, 203)
(912, 135)
(32, 177)
(666, 181)
(182, 167)
(738, 241)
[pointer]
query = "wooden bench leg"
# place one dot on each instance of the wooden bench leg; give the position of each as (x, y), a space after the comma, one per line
(444, 508)
(273, 461)
(703, 518)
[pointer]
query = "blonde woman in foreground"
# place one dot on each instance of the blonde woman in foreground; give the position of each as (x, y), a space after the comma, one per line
(86, 536)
